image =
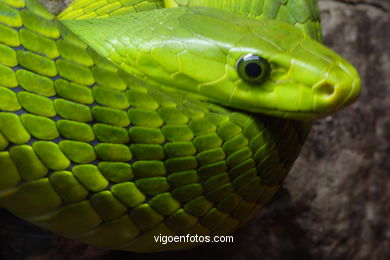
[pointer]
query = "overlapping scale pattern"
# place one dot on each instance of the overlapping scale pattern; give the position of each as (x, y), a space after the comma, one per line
(103, 8)
(303, 14)
(88, 155)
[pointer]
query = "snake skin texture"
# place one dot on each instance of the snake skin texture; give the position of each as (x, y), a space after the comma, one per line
(195, 50)
(91, 155)
(303, 14)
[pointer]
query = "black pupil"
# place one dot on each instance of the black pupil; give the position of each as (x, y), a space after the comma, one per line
(253, 70)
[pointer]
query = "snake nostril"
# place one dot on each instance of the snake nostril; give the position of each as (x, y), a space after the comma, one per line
(325, 89)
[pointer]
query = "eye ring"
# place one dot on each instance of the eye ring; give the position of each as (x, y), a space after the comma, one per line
(253, 69)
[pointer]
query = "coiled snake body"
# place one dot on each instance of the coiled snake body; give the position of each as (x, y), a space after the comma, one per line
(125, 120)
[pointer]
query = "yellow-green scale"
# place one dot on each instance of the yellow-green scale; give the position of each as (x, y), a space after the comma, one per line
(88, 155)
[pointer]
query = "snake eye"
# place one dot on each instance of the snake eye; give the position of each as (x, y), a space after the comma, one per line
(253, 69)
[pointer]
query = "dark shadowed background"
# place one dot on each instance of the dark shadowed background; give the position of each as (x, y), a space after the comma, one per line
(335, 203)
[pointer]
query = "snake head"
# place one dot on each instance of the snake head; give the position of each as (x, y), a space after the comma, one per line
(262, 66)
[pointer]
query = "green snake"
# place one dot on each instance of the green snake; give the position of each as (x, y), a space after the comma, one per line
(123, 120)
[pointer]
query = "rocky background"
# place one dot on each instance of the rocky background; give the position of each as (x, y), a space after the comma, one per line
(335, 203)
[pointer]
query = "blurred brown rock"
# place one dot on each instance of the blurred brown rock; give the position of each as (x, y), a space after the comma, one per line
(335, 203)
